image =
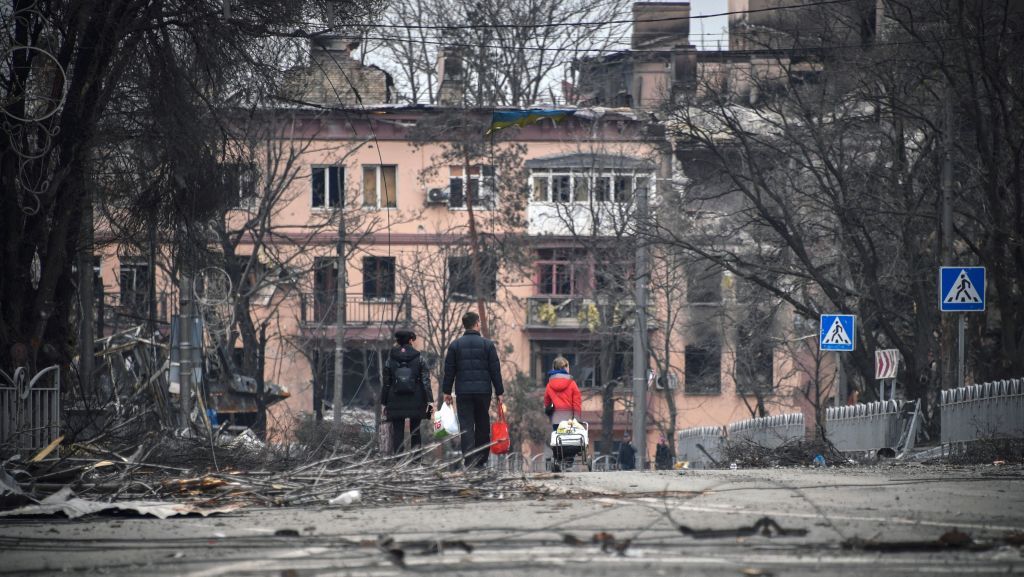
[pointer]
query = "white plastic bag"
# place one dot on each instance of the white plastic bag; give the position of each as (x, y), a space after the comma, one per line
(445, 422)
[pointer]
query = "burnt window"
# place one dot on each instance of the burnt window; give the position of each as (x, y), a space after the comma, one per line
(134, 281)
(703, 283)
(703, 368)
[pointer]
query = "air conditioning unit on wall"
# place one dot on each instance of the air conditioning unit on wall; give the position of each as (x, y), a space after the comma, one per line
(438, 196)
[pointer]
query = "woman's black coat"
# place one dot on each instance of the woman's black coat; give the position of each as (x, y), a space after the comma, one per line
(406, 406)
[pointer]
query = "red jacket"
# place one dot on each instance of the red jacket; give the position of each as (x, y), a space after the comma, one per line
(563, 392)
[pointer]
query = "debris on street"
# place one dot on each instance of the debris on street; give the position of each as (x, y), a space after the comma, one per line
(765, 527)
(798, 453)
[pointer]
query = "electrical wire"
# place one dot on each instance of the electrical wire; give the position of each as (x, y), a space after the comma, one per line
(598, 23)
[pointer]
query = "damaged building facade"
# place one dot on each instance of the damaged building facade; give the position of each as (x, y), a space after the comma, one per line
(553, 208)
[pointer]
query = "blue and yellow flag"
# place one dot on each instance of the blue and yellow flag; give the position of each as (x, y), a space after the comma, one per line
(501, 119)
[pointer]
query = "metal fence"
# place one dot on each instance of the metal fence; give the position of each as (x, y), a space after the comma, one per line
(29, 408)
(691, 441)
(770, 432)
(865, 426)
(985, 411)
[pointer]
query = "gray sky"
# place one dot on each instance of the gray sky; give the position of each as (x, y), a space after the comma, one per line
(713, 29)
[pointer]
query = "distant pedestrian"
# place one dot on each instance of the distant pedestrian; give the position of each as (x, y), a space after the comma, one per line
(406, 393)
(627, 453)
(662, 455)
(472, 371)
(562, 394)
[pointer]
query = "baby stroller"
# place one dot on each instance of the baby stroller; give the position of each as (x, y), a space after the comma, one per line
(569, 440)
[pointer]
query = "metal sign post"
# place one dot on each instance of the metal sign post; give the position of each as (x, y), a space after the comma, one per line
(887, 363)
(961, 290)
(837, 333)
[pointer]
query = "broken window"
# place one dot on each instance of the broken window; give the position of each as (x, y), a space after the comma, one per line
(703, 283)
(703, 368)
(134, 281)
(460, 277)
(241, 182)
(481, 186)
(327, 182)
(380, 183)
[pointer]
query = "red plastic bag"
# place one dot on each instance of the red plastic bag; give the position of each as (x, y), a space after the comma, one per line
(499, 433)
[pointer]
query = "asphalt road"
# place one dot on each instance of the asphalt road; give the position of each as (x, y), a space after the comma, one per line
(635, 517)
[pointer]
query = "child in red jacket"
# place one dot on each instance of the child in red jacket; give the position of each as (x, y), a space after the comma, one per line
(562, 394)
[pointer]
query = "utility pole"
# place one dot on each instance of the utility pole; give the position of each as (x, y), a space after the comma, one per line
(261, 388)
(340, 317)
(640, 333)
(948, 340)
(87, 338)
(474, 241)
(185, 338)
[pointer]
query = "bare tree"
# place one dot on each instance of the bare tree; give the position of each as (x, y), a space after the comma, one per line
(80, 77)
(512, 51)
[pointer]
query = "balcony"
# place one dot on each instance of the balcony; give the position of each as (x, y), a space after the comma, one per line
(319, 310)
(577, 313)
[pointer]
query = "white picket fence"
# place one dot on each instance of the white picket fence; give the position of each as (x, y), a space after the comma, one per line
(865, 426)
(985, 411)
(770, 432)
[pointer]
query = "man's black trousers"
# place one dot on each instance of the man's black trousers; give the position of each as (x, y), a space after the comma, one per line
(475, 422)
(398, 434)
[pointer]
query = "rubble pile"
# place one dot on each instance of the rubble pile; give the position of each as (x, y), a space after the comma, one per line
(242, 471)
(747, 454)
(124, 446)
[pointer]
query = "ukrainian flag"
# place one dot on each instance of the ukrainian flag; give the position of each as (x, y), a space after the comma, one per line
(502, 119)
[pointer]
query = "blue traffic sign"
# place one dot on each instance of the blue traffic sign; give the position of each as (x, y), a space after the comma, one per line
(837, 332)
(961, 288)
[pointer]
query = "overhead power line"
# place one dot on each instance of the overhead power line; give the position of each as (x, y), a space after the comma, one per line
(753, 51)
(597, 23)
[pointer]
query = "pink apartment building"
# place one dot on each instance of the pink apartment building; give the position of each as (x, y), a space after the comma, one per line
(553, 207)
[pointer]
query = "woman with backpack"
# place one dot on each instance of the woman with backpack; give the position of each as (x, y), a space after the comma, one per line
(562, 400)
(406, 393)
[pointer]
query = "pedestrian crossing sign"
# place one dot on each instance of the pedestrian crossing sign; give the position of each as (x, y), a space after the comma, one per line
(961, 288)
(837, 333)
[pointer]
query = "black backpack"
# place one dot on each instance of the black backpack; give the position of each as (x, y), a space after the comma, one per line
(404, 381)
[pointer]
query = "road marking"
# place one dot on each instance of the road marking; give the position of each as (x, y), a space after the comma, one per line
(260, 564)
(896, 520)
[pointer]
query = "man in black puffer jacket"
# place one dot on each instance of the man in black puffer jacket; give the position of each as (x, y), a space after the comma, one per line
(406, 392)
(471, 367)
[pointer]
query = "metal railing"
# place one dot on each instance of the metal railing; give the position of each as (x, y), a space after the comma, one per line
(693, 439)
(576, 312)
(606, 463)
(512, 463)
(769, 432)
(865, 426)
(984, 411)
(320, 309)
(30, 408)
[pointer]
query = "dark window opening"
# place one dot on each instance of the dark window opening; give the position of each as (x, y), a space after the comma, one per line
(703, 369)
(326, 182)
(703, 284)
(325, 289)
(134, 281)
(588, 364)
(460, 278)
(379, 278)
